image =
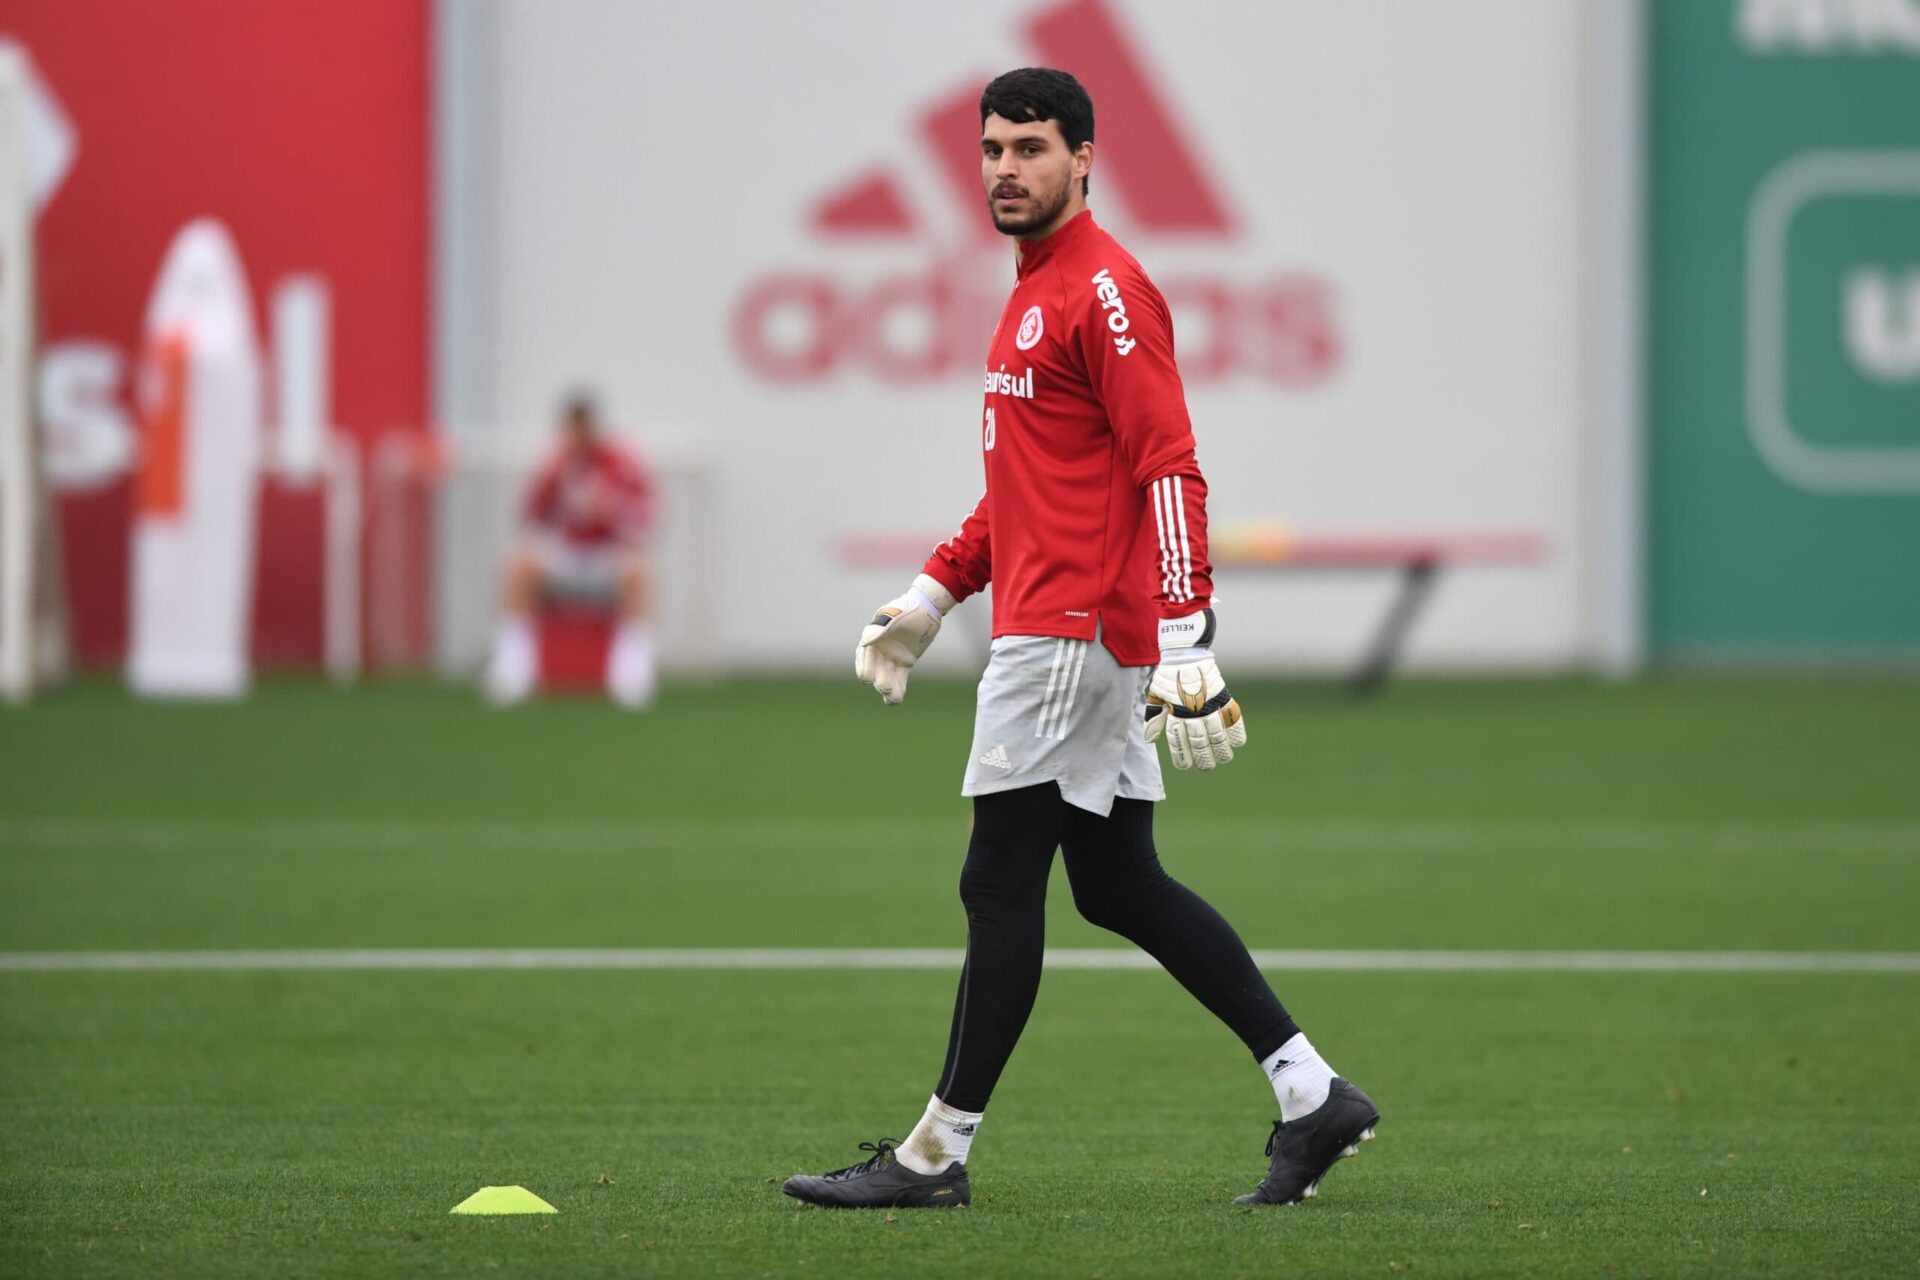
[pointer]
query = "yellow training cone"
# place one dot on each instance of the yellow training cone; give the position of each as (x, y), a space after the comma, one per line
(503, 1200)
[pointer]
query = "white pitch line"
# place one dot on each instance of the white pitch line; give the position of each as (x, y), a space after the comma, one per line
(936, 958)
(1361, 835)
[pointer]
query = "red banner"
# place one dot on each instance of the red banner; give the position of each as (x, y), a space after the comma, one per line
(302, 126)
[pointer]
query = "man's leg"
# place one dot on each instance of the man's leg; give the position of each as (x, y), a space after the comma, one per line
(1004, 888)
(515, 664)
(1119, 884)
(630, 660)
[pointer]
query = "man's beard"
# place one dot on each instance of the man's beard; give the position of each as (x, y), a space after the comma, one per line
(1021, 224)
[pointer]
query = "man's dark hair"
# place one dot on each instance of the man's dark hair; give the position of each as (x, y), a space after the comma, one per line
(581, 403)
(1041, 93)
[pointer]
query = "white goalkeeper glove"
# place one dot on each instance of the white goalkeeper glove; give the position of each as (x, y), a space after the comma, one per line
(1188, 701)
(900, 632)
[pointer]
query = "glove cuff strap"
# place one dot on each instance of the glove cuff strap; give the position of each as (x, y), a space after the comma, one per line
(938, 598)
(1192, 632)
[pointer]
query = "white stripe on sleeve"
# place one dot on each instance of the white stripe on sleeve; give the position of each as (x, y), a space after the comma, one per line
(1186, 551)
(1166, 547)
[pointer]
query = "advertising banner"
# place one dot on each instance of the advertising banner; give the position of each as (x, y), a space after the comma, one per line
(1784, 357)
(301, 126)
(759, 228)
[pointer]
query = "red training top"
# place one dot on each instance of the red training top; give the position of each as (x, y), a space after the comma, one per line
(593, 498)
(1086, 433)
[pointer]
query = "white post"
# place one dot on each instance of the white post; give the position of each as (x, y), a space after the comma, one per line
(302, 364)
(1616, 96)
(19, 463)
(343, 547)
(466, 302)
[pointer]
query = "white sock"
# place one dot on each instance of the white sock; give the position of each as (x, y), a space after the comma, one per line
(516, 661)
(1301, 1078)
(630, 677)
(943, 1136)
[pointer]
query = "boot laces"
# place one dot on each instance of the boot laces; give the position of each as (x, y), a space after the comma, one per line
(882, 1157)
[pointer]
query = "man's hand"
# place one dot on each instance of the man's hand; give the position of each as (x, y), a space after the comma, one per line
(900, 632)
(1188, 700)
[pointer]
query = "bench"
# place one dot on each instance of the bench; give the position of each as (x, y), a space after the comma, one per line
(1415, 560)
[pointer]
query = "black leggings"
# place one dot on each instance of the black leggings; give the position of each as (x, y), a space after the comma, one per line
(1118, 884)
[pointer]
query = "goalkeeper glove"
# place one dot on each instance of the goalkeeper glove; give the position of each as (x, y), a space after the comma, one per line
(1188, 701)
(900, 632)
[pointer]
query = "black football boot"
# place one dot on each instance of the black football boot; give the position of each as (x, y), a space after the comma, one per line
(882, 1182)
(1307, 1149)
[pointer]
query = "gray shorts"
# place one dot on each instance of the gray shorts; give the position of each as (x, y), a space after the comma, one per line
(1064, 711)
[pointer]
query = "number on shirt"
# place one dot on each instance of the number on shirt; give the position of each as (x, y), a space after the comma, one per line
(989, 430)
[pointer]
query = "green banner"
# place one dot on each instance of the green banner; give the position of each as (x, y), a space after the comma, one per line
(1783, 448)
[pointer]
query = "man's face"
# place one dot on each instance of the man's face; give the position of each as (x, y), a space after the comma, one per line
(579, 431)
(1029, 174)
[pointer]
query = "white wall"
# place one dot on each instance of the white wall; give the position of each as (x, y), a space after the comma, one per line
(655, 161)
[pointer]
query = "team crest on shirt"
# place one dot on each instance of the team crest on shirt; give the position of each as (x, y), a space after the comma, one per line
(1031, 327)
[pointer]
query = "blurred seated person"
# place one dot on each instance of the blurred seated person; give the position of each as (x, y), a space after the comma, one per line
(587, 513)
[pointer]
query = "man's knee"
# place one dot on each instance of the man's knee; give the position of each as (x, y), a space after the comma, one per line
(1116, 876)
(1104, 904)
(634, 584)
(993, 876)
(978, 887)
(523, 579)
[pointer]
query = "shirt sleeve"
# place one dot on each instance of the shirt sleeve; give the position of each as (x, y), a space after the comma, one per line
(634, 507)
(1126, 338)
(542, 493)
(1183, 574)
(963, 564)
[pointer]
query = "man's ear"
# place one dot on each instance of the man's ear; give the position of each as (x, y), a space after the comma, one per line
(1083, 160)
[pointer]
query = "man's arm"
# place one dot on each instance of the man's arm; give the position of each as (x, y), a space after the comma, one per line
(963, 564)
(542, 492)
(1127, 341)
(1185, 581)
(903, 627)
(633, 512)
(1126, 338)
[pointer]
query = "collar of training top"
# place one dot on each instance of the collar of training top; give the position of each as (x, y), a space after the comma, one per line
(1035, 252)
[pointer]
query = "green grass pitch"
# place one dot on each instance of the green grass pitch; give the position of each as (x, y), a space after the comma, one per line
(277, 1123)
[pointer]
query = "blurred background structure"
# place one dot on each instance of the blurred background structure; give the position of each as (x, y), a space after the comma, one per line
(1610, 311)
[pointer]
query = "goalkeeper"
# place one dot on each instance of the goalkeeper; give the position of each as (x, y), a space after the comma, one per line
(1093, 532)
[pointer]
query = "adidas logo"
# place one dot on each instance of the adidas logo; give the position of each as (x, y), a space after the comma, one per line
(965, 1130)
(997, 758)
(1278, 1067)
(854, 310)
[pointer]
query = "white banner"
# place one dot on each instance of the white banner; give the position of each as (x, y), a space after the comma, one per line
(763, 222)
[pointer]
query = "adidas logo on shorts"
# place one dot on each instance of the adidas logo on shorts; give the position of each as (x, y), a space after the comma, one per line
(997, 758)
